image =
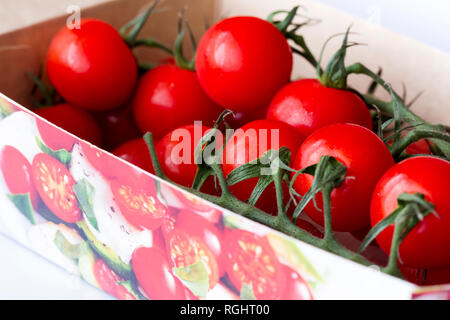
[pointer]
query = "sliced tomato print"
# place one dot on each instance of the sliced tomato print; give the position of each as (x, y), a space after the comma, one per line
(109, 281)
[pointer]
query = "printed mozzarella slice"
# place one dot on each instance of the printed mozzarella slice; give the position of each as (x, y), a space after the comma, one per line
(42, 240)
(113, 230)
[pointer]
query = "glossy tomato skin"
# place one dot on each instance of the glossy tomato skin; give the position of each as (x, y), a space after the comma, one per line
(92, 67)
(74, 120)
(136, 152)
(154, 275)
(17, 173)
(296, 287)
(54, 183)
(110, 282)
(307, 105)
(242, 62)
(250, 259)
(177, 165)
(241, 149)
(169, 97)
(428, 243)
(366, 158)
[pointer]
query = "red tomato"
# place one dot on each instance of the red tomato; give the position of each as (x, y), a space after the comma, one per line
(199, 206)
(91, 66)
(307, 105)
(199, 227)
(241, 118)
(242, 62)
(305, 225)
(427, 277)
(178, 165)
(418, 147)
(136, 152)
(427, 245)
(109, 281)
(54, 183)
(184, 250)
(366, 158)
(155, 276)
(139, 205)
(249, 143)
(74, 120)
(169, 97)
(117, 127)
(251, 260)
(16, 170)
(296, 287)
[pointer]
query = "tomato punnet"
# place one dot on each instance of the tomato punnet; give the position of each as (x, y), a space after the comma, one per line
(185, 249)
(52, 137)
(366, 157)
(307, 105)
(427, 244)
(242, 62)
(117, 127)
(16, 170)
(154, 275)
(296, 287)
(91, 66)
(109, 281)
(169, 97)
(199, 206)
(54, 183)
(199, 227)
(249, 143)
(136, 152)
(249, 259)
(178, 166)
(74, 120)
(139, 205)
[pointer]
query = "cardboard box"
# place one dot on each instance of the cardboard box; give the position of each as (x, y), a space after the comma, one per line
(325, 275)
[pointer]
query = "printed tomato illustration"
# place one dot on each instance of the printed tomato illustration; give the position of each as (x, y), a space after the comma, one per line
(155, 276)
(109, 281)
(296, 287)
(185, 250)
(138, 205)
(54, 184)
(136, 152)
(199, 206)
(53, 138)
(16, 170)
(249, 259)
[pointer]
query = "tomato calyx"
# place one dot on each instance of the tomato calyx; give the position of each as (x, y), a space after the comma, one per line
(180, 59)
(412, 208)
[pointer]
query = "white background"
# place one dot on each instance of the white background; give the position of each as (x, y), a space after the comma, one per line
(25, 275)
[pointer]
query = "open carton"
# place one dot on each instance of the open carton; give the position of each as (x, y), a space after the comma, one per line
(324, 275)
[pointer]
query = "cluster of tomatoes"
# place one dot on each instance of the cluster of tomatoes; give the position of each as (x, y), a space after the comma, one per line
(93, 69)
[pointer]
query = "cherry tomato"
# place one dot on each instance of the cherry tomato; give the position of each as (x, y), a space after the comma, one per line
(307, 105)
(74, 120)
(173, 94)
(296, 287)
(199, 206)
(418, 147)
(242, 62)
(91, 66)
(184, 250)
(109, 281)
(426, 277)
(427, 244)
(117, 126)
(139, 205)
(199, 227)
(155, 276)
(176, 152)
(249, 259)
(16, 170)
(366, 158)
(54, 183)
(241, 118)
(136, 152)
(249, 143)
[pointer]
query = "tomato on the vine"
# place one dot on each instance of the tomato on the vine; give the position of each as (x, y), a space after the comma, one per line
(155, 276)
(307, 105)
(91, 66)
(72, 119)
(428, 243)
(249, 259)
(242, 62)
(169, 97)
(136, 152)
(16, 170)
(109, 281)
(249, 143)
(366, 157)
(54, 183)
